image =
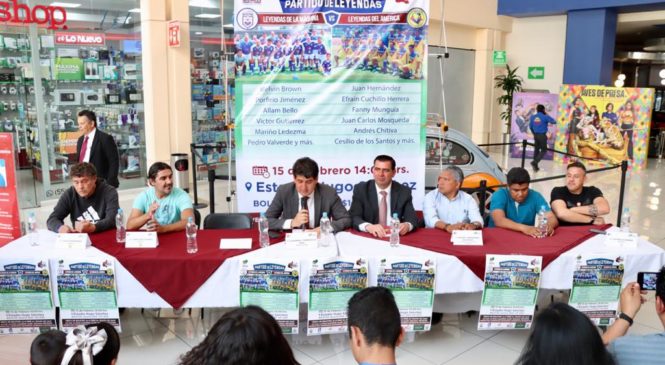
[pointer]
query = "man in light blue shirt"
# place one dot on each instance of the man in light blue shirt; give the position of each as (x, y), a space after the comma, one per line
(448, 208)
(161, 208)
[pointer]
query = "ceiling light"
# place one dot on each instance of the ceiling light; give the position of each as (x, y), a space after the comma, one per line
(621, 77)
(207, 16)
(662, 81)
(135, 10)
(198, 33)
(618, 83)
(203, 4)
(65, 5)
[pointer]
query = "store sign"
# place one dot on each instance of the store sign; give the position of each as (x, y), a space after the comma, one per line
(80, 39)
(54, 17)
(174, 33)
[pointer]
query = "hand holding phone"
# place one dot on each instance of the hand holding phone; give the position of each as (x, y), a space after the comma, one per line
(647, 280)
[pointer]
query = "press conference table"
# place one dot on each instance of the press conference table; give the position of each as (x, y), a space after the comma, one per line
(169, 277)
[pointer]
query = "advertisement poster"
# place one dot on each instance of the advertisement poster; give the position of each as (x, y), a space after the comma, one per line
(340, 83)
(87, 292)
(412, 283)
(10, 221)
(272, 286)
(68, 68)
(26, 304)
(332, 283)
(609, 124)
(68, 142)
(524, 106)
(596, 287)
(510, 293)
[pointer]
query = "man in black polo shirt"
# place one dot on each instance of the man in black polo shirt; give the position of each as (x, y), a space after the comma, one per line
(576, 204)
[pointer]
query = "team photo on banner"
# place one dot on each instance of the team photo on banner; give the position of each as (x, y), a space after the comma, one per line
(339, 84)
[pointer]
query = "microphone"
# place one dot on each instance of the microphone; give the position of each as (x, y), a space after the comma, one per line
(303, 205)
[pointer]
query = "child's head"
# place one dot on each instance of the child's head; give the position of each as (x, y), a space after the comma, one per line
(47, 348)
(100, 341)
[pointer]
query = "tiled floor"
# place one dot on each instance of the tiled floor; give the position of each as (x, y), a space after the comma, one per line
(147, 339)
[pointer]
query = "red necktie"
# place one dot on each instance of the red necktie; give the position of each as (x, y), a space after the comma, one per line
(84, 148)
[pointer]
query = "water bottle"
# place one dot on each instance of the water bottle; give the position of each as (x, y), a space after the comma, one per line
(326, 230)
(539, 217)
(32, 229)
(625, 220)
(394, 231)
(190, 232)
(120, 231)
(264, 239)
(542, 228)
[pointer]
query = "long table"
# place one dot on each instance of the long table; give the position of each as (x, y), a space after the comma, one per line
(218, 283)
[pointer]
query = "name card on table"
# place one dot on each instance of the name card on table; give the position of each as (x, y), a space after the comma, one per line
(76, 241)
(467, 238)
(302, 239)
(230, 243)
(621, 239)
(141, 240)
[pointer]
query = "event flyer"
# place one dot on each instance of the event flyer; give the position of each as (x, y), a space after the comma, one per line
(510, 293)
(597, 286)
(272, 285)
(10, 222)
(338, 81)
(87, 292)
(332, 282)
(26, 304)
(411, 281)
(524, 106)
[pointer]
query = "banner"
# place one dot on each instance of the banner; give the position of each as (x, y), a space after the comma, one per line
(272, 286)
(10, 221)
(524, 106)
(332, 283)
(26, 304)
(412, 283)
(87, 292)
(510, 292)
(606, 123)
(596, 287)
(340, 83)
(68, 68)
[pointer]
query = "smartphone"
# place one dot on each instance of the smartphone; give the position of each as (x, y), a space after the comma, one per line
(647, 280)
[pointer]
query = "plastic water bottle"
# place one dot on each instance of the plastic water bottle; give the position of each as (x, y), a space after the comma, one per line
(264, 239)
(326, 230)
(190, 232)
(394, 231)
(542, 228)
(625, 220)
(32, 229)
(539, 218)
(120, 231)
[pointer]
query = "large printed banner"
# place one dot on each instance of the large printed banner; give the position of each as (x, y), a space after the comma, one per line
(10, 222)
(606, 123)
(338, 81)
(524, 106)
(596, 287)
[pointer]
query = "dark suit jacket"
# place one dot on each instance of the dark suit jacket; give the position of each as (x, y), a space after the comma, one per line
(286, 204)
(365, 206)
(103, 155)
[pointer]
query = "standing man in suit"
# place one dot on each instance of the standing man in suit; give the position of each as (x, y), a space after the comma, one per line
(375, 201)
(301, 203)
(97, 148)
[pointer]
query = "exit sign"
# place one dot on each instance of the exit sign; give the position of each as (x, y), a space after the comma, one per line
(536, 72)
(499, 58)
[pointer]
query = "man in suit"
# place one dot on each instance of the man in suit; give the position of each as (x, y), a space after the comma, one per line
(97, 148)
(293, 202)
(375, 201)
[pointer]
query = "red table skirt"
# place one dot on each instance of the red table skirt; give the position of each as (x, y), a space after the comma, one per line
(498, 241)
(169, 270)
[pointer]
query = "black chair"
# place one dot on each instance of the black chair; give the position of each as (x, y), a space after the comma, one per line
(197, 218)
(227, 221)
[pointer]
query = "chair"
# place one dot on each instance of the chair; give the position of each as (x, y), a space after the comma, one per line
(197, 218)
(227, 221)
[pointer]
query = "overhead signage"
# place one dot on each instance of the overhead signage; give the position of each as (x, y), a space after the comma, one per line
(174, 33)
(499, 58)
(80, 39)
(54, 17)
(536, 72)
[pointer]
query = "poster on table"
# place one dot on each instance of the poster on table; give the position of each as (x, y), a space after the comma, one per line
(524, 106)
(411, 280)
(597, 286)
(609, 124)
(510, 291)
(10, 221)
(332, 282)
(87, 292)
(339, 82)
(26, 303)
(272, 285)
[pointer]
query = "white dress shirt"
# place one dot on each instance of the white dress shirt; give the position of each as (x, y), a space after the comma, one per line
(310, 207)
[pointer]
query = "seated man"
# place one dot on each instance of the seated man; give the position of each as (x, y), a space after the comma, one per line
(448, 208)
(375, 201)
(161, 207)
(374, 326)
(293, 202)
(516, 206)
(576, 204)
(91, 203)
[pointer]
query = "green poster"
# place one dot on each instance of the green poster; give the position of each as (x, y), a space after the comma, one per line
(69, 69)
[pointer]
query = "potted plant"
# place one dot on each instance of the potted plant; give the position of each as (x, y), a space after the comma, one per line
(510, 83)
